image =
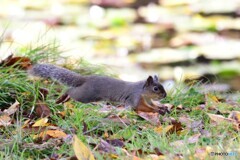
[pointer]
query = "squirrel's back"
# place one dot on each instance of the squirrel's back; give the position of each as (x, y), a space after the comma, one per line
(60, 74)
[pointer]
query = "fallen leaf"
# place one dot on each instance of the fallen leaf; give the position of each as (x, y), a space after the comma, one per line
(42, 110)
(62, 114)
(56, 133)
(47, 134)
(5, 120)
(161, 130)
(213, 98)
(177, 126)
(205, 133)
(104, 146)
(26, 123)
(235, 115)
(151, 117)
(186, 120)
(194, 138)
(219, 118)
(81, 151)
(19, 62)
(12, 109)
(41, 122)
(197, 125)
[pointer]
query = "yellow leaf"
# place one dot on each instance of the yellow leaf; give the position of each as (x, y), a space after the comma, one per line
(213, 98)
(41, 122)
(81, 151)
(113, 156)
(51, 133)
(56, 133)
(161, 130)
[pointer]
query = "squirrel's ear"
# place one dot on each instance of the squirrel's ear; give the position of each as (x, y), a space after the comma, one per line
(156, 78)
(149, 81)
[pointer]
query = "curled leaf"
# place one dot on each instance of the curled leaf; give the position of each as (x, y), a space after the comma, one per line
(12, 109)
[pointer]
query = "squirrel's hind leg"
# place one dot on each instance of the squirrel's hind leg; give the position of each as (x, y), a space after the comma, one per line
(82, 95)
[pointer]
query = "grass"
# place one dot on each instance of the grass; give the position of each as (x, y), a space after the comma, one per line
(139, 137)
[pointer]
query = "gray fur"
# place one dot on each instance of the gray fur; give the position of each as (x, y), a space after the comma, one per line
(96, 88)
(60, 74)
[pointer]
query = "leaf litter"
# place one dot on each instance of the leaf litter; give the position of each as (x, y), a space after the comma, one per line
(46, 134)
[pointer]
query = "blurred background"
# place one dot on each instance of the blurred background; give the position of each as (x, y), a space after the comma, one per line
(180, 40)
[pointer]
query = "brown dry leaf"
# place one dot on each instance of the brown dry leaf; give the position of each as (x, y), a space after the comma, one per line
(56, 133)
(62, 114)
(81, 151)
(151, 117)
(20, 62)
(177, 126)
(50, 134)
(5, 120)
(42, 110)
(12, 109)
(219, 118)
(41, 122)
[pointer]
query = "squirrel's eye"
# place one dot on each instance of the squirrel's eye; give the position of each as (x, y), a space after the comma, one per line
(155, 89)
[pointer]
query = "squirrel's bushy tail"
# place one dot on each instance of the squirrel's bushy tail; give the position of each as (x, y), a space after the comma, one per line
(60, 74)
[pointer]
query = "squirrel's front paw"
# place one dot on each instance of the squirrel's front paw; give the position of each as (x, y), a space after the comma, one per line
(62, 99)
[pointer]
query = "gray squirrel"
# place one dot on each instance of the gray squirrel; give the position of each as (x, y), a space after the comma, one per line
(94, 88)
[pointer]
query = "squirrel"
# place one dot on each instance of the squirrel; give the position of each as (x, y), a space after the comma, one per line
(94, 88)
